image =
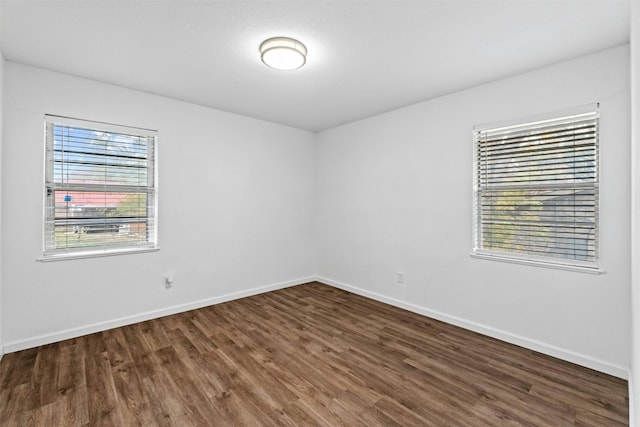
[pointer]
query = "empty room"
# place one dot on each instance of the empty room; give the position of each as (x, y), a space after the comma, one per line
(357, 213)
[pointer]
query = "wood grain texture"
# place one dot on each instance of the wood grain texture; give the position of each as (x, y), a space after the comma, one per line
(306, 355)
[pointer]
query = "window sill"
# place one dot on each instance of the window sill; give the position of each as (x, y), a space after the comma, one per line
(536, 263)
(94, 254)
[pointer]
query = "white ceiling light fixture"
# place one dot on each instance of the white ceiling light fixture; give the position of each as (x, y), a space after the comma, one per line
(283, 53)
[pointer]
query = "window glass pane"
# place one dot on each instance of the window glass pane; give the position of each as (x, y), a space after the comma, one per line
(86, 156)
(542, 222)
(100, 189)
(537, 190)
(98, 204)
(102, 234)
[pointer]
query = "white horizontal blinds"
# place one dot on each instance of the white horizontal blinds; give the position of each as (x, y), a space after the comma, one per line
(100, 187)
(537, 189)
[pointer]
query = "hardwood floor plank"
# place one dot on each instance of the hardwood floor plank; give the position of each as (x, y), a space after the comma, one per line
(575, 396)
(182, 382)
(102, 400)
(166, 409)
(306, 355)
(40, 416)
(154, 334)
(117, 346)
(71, 408)
(133, 402)
(171, 405)
(45, 375)
(15, 403)
(304, 416)
(17, 368)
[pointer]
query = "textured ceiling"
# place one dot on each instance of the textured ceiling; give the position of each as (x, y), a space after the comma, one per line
(365, 57)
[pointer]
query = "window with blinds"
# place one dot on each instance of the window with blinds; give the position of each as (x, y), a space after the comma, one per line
(100, 188)
(536, 190)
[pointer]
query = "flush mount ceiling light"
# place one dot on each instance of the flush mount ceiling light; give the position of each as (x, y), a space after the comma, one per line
(283, 53)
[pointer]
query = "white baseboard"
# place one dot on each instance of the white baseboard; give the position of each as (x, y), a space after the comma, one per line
(548, 349)
(13, 346)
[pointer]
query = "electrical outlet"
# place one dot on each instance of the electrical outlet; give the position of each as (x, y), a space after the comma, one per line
(400, 277)
(168, 281)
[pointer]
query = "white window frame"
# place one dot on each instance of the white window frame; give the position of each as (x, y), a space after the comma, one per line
(150, 244)
(531, 259)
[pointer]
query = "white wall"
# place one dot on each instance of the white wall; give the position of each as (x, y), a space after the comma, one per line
(235, 211)
(1, 115)
(634, 377)
(395, 194)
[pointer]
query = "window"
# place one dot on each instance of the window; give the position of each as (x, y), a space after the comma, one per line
(536, 191)
(100, 189)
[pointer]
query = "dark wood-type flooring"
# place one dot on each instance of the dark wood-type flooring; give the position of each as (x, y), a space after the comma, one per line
(306, 355)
